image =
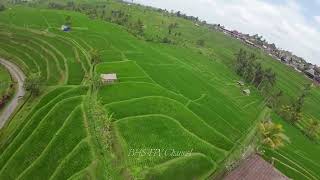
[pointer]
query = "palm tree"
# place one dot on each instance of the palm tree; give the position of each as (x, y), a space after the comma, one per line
(313, 129)
(95, 56)
(272, 135)
(259, 76)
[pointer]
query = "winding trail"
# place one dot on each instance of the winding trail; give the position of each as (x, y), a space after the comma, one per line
(19, 77)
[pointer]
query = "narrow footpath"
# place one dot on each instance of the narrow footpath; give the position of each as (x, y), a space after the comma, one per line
(19, 77)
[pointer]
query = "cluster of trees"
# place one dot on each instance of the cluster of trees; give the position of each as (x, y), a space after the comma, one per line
(293, 112)
(95, 56)
(2, 7)
(33, 84)
(201, 42)
(252, 71)
(171, 27)
(117, 16)
(136, 27)
(103, 125)
(54, 5)
(68, 21)
(184, 16)
(6, 96)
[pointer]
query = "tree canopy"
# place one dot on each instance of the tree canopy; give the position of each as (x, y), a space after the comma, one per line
(272, 135)
(33, 83)
(252, 71)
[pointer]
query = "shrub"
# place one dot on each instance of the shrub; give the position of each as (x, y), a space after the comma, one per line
(33, 84)
(2, 7)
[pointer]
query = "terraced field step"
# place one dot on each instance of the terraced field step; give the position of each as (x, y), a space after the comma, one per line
(169, 134)
(173, 109)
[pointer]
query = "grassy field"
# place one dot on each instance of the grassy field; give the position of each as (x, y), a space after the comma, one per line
(168, 98)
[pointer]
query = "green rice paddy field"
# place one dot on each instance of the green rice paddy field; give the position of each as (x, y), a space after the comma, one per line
(168, 97)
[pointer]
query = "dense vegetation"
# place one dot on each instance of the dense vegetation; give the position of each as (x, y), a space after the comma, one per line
(181, 97)
(6, 87)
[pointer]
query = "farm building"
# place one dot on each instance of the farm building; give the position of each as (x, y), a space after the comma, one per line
(255, 168)
(109, 78)
(240, 83)
(246, 92)
(65, 28)
(310, 73)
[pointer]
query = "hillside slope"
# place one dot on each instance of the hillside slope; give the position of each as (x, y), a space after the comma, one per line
(168, 98)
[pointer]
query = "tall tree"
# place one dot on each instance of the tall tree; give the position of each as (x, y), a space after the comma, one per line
(2, 7)
(138, 28)
(296, 107)
(95, 56)
(68, 21)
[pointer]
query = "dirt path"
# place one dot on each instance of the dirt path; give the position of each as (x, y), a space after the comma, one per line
(19, 77)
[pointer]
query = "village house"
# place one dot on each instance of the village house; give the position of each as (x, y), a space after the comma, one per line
(255, 167)
(286, 57)
(317, 79)
(310, 73)
(109, 78)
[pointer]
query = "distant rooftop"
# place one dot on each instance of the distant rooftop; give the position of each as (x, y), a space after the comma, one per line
(255, 168)
(109, 76)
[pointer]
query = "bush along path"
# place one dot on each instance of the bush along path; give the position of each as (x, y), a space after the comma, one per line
(19, 77)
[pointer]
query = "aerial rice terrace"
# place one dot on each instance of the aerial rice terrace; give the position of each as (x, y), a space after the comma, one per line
(167, 97)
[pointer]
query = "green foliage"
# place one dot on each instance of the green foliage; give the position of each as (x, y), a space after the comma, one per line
(95, 56)
(137, 28)
(293, 113)
(68, 21)
(33, 84)
(5, 80)
(101, 115)
(285, 158)
(201, 42)
(247, 67)
(313, 129)
(272, 135)
(172, 26)
(2, 7)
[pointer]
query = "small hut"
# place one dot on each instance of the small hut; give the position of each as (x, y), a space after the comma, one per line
(240, 83)
(246, 92)
(65, 28)
(109, 78)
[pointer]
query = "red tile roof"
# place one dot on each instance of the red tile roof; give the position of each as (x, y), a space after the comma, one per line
(255, 168)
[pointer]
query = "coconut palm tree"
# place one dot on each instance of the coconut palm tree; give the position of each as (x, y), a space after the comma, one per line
(313, 129)
(95, 56)
(272, 135)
